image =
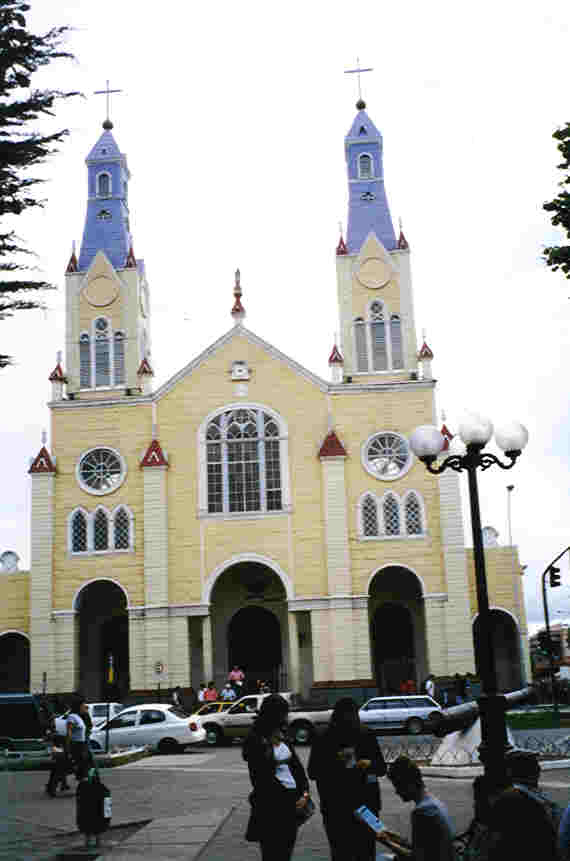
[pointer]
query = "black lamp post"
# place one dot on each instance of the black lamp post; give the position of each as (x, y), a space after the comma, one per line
(427, 443)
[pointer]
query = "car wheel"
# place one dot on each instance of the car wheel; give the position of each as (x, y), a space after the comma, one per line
(302, 732)
(94, 745)
(213, 735)
(168, 745)
(414, 726)
(435, 719)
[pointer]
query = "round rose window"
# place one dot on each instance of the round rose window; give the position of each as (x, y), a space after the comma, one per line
(387, 455)
(101, 470)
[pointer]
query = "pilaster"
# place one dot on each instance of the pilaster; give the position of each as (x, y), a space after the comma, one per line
(336, 519)
(361, 640)
(320, 638)
(207, 648)
(42, 645)
(178, 651)
(460, 657)
(137, 650)
(66, 633)
(293, 682)
(155, 564)
(436, 634)
(156, 648)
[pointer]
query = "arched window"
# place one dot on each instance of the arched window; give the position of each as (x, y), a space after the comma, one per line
(378, 337)
(119, 358)
(102, 353)
(103, 185)
(413, 511)
(121, 530)
(360, 344)
(84, 361)
(244, 462)
(391, 512)
(101, 530)
(369, 516)
(364, 166)
(396, 339)
(78, 532)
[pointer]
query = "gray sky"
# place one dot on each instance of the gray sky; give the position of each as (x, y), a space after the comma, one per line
(233, 118)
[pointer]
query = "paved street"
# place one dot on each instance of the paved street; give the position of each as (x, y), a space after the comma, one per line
(198, 806)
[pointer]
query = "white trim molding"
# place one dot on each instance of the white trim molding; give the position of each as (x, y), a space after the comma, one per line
(14, 631)
(246, 557)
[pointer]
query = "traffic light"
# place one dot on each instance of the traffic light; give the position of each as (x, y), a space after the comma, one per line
(554, 576)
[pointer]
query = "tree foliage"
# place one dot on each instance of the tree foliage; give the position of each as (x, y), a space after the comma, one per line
(22, 148)
(558, 256)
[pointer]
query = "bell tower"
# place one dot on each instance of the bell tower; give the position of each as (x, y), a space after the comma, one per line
(377, 328)
(107, 297)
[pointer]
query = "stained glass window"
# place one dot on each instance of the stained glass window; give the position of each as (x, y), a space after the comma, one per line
(391, 515)
(387, 455)
(414, 524)
(369, 516)
(78, 533)
(121, 530)
(101, 531)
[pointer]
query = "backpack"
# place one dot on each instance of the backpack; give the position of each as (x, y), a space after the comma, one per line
(551, 808)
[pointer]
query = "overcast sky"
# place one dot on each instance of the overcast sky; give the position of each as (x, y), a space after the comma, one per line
(233, 118)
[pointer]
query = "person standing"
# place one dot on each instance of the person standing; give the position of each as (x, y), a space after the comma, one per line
(228, 693)
(346, 763)
(280, 785)
(430, 686)
(236, 678)
(210, 694)
(201, 693)
(76, 740)
(432, 831)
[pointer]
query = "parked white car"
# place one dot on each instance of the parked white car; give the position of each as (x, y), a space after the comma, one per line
(164, 727)
(414, 714)
(98, 712)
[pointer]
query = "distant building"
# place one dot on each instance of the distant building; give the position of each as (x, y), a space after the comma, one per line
(540, 662)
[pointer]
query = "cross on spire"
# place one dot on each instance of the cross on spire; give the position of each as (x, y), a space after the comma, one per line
(361, 104)
(107, 125)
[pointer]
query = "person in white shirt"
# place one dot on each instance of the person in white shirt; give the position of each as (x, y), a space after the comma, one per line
(76, 737)
(228, 693)
(201, 693)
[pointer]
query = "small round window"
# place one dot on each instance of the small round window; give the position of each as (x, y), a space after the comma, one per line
(386, 455)
(101, 470)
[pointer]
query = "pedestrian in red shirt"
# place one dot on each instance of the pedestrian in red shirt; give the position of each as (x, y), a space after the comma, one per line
(211, 693)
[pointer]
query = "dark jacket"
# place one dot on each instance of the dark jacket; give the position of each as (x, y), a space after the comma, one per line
(269, 795)
(341, 789)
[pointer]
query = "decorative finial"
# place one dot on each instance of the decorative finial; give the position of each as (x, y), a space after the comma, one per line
(59, 355)
(238, 311)
(73, 247)
(107, 125)
(424, 334)
(44, 437)
(443, 416)
(361, 104)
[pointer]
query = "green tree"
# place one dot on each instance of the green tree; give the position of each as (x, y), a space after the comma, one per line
(23, 148)
(558, 256)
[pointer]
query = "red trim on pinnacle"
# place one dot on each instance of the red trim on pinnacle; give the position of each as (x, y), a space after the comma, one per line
(335, 357)
(238, 307)
(154, 455)
(131, 262)
(446, 433)
(341, 247)
(57, 375)
(72, 265)
(425, 352)
(145, 369)
(332, 446)
(42, 462)
(402, 242)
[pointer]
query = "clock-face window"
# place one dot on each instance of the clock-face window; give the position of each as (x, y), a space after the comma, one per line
(387, 455)
(101, 470)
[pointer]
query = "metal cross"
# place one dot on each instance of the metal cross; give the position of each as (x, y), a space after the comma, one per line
(357, 71)
(107, 93)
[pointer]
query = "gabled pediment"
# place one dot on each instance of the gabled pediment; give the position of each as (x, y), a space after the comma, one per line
(101, 284)
(374, 266)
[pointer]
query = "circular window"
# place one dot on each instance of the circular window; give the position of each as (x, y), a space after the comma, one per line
(386, 455)
(101, 470)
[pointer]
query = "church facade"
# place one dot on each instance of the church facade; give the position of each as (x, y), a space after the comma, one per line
(247, 511)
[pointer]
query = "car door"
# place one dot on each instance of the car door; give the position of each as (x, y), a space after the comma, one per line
(238, 719)
(396, 714)
(123, 728)
(374, 714)
(152, 726)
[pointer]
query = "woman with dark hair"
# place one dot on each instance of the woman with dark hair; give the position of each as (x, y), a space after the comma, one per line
(79, 726)
(346, 763)
(280, 785)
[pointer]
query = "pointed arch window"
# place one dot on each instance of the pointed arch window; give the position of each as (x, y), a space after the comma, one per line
(79, 532)
(119, 358)
(369, 516)
(84, 361)
(364, 166)
(378, 341)
(102, 353)
(245, 462)
(121, 530)
(101, 530)
(102, 356)
(391, 514)
(413, 513)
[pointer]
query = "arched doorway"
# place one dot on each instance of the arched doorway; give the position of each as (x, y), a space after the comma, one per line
(254, 642)
(397, 628)
(506, 647)
(248, 610)
(14, 663)
(103, 637)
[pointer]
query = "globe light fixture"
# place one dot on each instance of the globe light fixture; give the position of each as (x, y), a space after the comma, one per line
(466, 454)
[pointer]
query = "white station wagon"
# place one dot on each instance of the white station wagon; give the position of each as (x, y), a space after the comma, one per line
(164, 727)
(414, 714)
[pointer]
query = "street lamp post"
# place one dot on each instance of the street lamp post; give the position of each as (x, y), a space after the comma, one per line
(467, 456)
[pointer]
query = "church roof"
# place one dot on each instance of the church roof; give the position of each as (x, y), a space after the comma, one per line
(335, 357)
(105, 149)
(42, 462)
(154, 456)
(332, 446)
(362, 128)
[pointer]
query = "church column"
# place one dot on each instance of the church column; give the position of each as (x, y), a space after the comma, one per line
(137, 650)
(42, 645)
(293, 680)
(460, 654)
(207, 648)
(436, 635)
(321, 643)
(361, 639)
(66, 651)
(178, 651)
(155, 466)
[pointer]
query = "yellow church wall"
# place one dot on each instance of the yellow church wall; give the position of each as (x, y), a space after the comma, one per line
(88, 313)
(128, 430)
(180, 413)
(15, 605)
(356, 418)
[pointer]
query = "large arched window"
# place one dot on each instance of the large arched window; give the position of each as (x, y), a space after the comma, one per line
(391, 514)
(121, 530)
(79, 532)
(101, 530)
(245, 462)
(413, 513)
(369, 516)
(101, 356)
(364, 166)
(378, 341)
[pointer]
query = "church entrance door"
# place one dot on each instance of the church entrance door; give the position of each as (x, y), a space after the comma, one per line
(103, 640)
(254, 642)
(14, 663)
(397, 629)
